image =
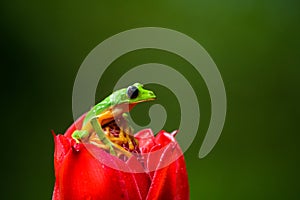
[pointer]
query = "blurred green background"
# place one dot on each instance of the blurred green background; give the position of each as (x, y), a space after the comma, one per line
(255, 44)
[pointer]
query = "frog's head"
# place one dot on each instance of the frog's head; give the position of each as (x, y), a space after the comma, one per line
(119, 102)
(136, 93)
(133, 94)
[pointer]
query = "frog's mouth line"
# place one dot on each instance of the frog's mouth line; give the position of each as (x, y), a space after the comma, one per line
(117, 111)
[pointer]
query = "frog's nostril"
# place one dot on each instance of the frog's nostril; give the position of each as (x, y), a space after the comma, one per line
(151, 94)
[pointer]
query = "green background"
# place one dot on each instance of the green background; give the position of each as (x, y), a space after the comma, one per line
(255, 44)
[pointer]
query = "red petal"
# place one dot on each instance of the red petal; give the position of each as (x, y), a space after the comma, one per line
(164, 138)
(62, 147)
(146, 140)
(82, 176)
(83, 173)
(170, 180)
(56, 194)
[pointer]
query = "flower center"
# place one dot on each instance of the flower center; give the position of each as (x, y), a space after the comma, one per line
(118, 132)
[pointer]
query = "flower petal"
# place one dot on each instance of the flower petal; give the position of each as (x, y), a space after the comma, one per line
(82, 176)
(169, 178)
(84, 171)
(146, 140)
(62, 147)
(56, 193)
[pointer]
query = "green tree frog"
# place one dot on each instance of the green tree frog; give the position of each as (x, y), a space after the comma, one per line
(116, 104)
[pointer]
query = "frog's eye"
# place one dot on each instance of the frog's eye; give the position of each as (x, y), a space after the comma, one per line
(132, 92)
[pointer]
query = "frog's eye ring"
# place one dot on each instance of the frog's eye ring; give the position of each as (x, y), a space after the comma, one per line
(132, 92)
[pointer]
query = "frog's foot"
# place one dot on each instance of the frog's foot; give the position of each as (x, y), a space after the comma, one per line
(78, 135)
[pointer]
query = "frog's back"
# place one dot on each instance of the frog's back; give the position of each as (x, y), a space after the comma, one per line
(97, 110)
(115, 98)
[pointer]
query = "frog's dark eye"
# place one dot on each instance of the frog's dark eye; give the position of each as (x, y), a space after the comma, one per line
(132, 92)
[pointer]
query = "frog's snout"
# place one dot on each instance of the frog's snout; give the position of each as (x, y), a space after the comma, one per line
(151, 94)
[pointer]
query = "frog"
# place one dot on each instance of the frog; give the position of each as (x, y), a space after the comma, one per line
(119, 103)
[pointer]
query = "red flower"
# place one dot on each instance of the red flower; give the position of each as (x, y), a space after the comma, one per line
(86, 172)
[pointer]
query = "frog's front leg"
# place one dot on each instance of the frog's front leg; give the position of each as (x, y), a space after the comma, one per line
(126, 126)
(79, 134)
